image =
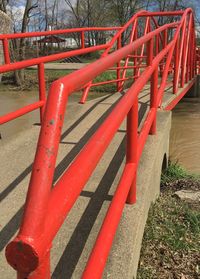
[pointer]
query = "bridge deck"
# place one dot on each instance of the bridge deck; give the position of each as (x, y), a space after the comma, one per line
(73, 242)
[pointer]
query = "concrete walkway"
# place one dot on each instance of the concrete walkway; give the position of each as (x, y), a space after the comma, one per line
(73, 243)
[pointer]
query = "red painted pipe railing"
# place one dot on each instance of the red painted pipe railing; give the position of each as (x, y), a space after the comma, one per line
(40, 61)
(137, 59)
(47, 207)
(198, 59)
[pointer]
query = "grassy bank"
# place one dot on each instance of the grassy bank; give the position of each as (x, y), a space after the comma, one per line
(171, 243)
(31, 80)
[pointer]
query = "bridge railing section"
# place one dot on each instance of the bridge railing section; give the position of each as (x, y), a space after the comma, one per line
(10, 65)
(47, 207)
(198, 60)
(139, 25)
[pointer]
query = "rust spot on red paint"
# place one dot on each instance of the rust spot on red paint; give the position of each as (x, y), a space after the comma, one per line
(51, 122)
(49, 151)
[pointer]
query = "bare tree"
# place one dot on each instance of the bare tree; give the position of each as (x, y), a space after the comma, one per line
(18, 46)
(3, 5)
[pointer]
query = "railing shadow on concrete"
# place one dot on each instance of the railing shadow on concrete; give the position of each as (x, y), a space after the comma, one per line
(101, 194)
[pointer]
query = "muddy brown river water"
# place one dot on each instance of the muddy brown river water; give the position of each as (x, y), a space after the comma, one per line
(185, 132)
(11, 101)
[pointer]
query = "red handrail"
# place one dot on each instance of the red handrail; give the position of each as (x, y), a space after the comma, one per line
(46, 208)
(8, 66)
(198, 59)
(121, 78)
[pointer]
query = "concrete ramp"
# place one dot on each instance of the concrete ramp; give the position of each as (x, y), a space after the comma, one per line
(75, 239)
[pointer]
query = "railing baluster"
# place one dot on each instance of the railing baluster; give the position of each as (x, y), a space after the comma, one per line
(153, 99)
(154, 83)
(132, 144)
(6, 51)
(182, 81)
(82, 39)
(176, 63)
(42, 88)
(119, 45)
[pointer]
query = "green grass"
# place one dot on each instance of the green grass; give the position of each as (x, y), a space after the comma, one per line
(175, 172)
(171, 242)
(31, 79)
(31, 82)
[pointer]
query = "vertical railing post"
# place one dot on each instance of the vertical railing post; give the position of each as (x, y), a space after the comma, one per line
(133, 36)
(149, 52)
(153, 99)
(187, 46)
(192, 55)
(176, 63)
(154, 84)
(135, 60)
(82, 39)
(42, 88)
(6, 51)
(188, 60)
(182, 80)
(165, 39)
(131, 146)
(119, 44)
(194, 70)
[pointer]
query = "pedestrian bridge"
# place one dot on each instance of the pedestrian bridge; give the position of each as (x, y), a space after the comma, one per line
(94, 169)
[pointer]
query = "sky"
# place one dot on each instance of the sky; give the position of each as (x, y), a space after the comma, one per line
(18, 9)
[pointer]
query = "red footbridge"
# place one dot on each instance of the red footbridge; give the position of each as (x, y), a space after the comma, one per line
(162, 57)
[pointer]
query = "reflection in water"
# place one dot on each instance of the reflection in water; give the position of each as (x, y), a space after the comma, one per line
(185, 134)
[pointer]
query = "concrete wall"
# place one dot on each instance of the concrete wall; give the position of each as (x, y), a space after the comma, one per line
(194, 92)
(5, 27)
(125, 254)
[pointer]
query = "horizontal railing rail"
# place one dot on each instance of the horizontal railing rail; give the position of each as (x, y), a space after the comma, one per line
(47, 207)
(40, 61)
(137, 59)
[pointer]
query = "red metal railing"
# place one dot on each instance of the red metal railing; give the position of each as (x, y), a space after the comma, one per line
(198, 60)
(40, 61)
(46, 207)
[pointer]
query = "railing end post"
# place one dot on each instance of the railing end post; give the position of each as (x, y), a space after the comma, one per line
(22, 256)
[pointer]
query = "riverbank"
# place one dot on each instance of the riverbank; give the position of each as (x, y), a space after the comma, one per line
(171, 242)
